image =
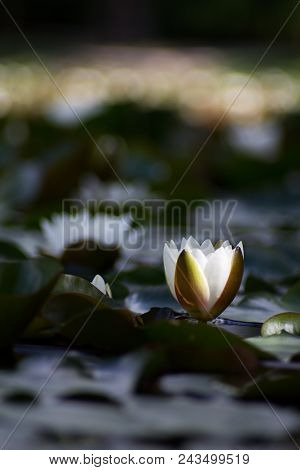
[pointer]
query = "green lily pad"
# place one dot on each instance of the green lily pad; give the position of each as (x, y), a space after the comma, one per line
(180, 346)
(283, 346)
(81, 313)
(106, 330)
(288, 322)
(183, 335)
(72, 296)
(24, 286)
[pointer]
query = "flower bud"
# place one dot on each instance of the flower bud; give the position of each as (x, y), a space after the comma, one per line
(203, 279)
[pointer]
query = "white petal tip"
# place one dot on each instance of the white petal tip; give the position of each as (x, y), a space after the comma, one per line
(99, 283)
(241, 247)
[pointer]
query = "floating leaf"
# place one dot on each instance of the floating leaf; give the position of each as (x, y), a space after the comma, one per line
(283, 346)
(288, 322)
(82, 313)
(108, 331)
(72, 296)
(195, 347)
(24, 286)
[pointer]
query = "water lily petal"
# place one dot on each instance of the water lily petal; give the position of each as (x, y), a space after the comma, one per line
(99, 282)
(241, 246)
(232, 285)
(207, 247)
(217, 273)
(190, 284)
(192, 244)
(172, 245)
(193, 247)
(200, 257)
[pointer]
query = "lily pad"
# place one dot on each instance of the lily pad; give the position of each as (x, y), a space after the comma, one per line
(283, 346)
(85, 316)
(24, 286)
(283, 322)
(180, 346)
(72, 296)
(105, 330)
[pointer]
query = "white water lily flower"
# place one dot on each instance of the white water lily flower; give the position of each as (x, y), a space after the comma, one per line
(101, 285)
(64, 230)
(204, 278)
(58, 233)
